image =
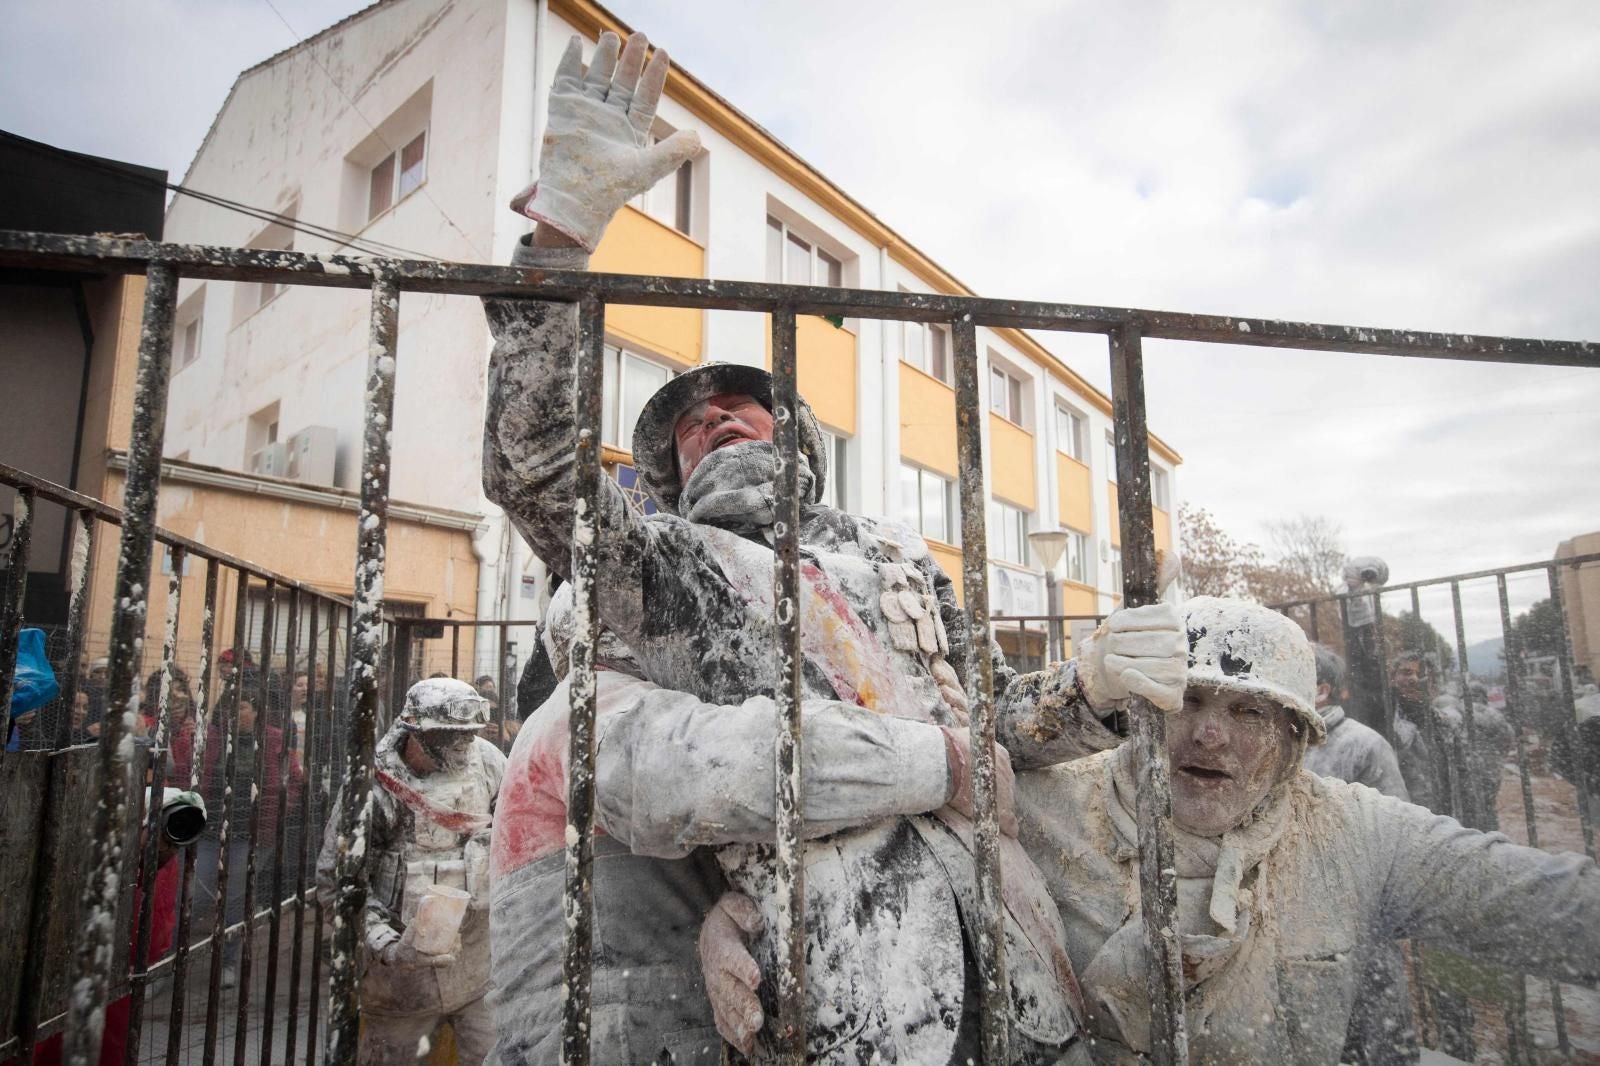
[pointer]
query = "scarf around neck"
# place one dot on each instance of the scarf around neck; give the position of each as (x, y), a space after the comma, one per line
(733, 487)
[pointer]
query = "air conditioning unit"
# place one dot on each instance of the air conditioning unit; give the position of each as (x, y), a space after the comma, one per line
(272, 461)
(311, 454)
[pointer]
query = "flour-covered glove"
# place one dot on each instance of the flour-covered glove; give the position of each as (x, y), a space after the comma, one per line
(1138, 651)
(730, 971)
(597, 153)
(392, 950)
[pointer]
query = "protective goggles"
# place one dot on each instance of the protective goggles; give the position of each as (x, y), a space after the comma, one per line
(464, 711)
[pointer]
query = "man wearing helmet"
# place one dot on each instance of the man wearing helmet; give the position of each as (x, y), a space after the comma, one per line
(1288, 883)
(432, 804)
(689, 590)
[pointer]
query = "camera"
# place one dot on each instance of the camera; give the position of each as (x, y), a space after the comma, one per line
(183, 816)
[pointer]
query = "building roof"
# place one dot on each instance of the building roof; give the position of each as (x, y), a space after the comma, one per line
(51, 190)
(592, 18)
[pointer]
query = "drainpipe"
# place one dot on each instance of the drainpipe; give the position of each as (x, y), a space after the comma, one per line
(486, 588)
(541, 10)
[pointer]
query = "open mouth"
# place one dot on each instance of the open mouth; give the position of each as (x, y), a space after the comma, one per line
(727, 436)
(1207, 774)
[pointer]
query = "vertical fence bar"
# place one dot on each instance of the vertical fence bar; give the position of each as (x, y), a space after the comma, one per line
(504, 682)
(247, 939)
(228, 733)
(1443, 766)
(1385, 687)
(1471, 812)
(96, 947)
(83, 535)
(578, 900)
(1514, 710)
(365, 653)
(286, 742)
(202, 718)
(308, 827)
(152, 829)
(994, 997)
(1158, 882)
(1569, 713)
(16, 594)
(324, 761)
(455, 652)
(791, 984)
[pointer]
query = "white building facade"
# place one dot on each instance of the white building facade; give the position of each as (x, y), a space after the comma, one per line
(410, 125)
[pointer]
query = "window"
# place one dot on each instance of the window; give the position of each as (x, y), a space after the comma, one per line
(630, 381)
(835, 488)
(396, 175)
(928, 347)
(1005, 393)
(252, 296)
(1116, 570)
(261, 431)
(928, 503)
(189, 329)
(794, 260)
(1008, 533)
(1076, 557)
(1111, 459)
(1071, 432)
(1159, 489)
(671, 200)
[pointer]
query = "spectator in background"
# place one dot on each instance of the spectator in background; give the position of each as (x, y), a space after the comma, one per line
(256, 772)
(34, 686)
(1411, 679)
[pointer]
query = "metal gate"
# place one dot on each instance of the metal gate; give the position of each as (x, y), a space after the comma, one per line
(1124, 329)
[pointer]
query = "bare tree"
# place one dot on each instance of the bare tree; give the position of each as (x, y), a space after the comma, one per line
(1214, 564)
(1311, 549)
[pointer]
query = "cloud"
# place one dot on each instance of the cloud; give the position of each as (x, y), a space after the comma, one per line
(1430, 165)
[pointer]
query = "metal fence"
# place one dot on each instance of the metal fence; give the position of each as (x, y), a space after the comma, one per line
(1125, 330)
(1465, 743)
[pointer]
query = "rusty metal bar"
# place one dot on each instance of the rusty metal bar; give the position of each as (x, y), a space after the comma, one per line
(228, 733)
(1569, 715)
(247, 939)
(16, 594)
(1472, 575)
(989, 948)
(96, 947)
(180, 961)
(152, 829)
(365, 654)
(455, 652)
(503, 682)
(286, 733)
(1158, 882)
(1472, 813)
(49, 490)
(1514, 710)
(324, 774)
(308, 744)
(790, 884)
(102, 255)
(577, 963)
(1385, 685)
(83, 536)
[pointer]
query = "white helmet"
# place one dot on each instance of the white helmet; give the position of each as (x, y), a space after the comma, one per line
(1244, 647)
(443, 703)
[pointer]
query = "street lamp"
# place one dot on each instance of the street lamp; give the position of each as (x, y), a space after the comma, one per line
(1048, 544)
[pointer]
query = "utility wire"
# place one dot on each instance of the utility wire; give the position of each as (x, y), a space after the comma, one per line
(423, 188)
(312, 229)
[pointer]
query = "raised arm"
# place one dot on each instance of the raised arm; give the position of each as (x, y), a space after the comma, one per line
(597, 154)
(1481, 895)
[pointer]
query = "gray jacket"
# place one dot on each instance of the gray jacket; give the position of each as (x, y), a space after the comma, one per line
(1354, 752)
(1352, 871)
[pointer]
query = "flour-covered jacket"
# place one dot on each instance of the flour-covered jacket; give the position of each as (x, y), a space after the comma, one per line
(1355, 752)
(1344, 870)
(694, 602)
(425, 831)
(671, 774)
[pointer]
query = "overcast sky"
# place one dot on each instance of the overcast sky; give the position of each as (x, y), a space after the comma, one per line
(1431, 165)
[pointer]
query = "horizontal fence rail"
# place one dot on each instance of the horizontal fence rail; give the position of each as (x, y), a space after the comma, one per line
(369, 635)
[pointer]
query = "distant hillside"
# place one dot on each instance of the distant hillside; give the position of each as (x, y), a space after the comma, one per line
(1483, 658)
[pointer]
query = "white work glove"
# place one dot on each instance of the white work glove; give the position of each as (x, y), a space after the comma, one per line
(597, 153)
(1138, 651)
(958, 757)
(402, 950)
(730, 971)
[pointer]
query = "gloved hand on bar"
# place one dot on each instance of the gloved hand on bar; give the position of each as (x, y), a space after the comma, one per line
(597, 154)
(1137, 651)
(731, 974)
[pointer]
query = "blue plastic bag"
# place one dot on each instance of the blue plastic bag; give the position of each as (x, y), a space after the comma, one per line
(36, 683)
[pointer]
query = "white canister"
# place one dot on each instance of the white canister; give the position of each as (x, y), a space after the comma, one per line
(438, 920)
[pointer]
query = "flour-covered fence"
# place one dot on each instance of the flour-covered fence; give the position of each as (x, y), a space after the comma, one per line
(387, 280)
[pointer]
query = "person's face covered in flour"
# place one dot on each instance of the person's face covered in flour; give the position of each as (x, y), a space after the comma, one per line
(442, 717)
(729, 418)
